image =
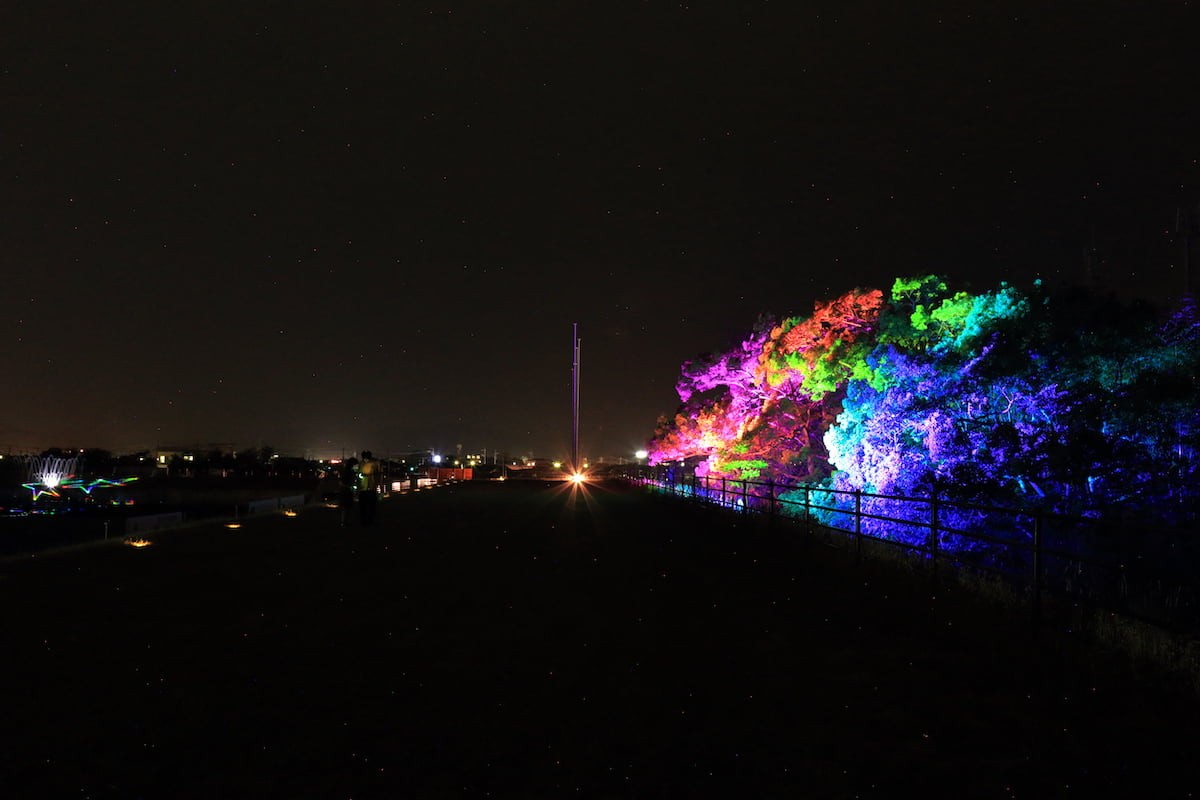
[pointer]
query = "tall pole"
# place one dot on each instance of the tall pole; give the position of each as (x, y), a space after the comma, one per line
(575, 396)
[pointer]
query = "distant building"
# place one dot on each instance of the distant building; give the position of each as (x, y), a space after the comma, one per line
(166, 455)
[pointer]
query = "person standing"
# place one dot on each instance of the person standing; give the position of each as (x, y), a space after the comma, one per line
(368, 488)
(347, 483)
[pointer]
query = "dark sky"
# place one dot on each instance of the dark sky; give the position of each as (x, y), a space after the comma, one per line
(320, 227)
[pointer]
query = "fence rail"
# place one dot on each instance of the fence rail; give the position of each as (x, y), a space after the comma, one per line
(1146, 573)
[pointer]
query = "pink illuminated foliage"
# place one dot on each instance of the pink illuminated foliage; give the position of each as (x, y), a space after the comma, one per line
(775, 391)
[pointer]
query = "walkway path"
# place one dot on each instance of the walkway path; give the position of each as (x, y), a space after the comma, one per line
(520, 640)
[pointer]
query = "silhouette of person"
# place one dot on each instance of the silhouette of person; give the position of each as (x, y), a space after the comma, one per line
(347, 483)
(368, 488)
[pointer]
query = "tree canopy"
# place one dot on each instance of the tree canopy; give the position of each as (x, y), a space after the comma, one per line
(1068, 401)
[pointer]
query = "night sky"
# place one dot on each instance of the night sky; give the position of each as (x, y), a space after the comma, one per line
(324, 228)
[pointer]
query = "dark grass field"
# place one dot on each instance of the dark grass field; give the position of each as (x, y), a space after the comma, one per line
(522, 640)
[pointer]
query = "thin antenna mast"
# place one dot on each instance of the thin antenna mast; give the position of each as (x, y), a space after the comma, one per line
(575, 396)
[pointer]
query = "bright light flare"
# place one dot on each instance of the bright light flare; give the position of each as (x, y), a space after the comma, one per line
(233, 526)
(289, 512)
(138, 542)
(578, 477)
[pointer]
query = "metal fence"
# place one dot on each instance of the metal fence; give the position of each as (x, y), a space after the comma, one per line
(1141, 572)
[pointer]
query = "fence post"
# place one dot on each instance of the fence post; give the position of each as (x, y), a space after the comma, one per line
(858, 524)
(771, 502)
(933, 534)
(724, 497)
(807, 516)
(1037, 569)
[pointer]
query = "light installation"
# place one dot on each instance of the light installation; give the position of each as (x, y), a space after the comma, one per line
(1068, 402)
(52, 475)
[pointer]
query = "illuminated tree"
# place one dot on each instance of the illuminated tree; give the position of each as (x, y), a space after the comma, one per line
(770, 391)
(1070, 402)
